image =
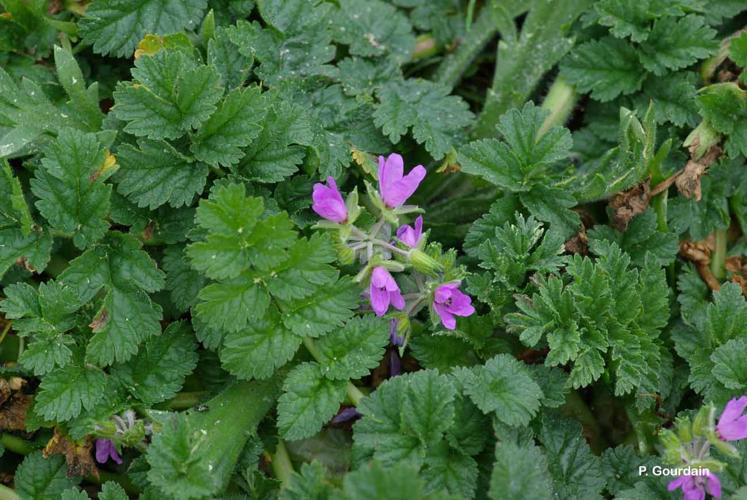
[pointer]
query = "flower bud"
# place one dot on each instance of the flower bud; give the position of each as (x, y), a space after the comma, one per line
(423, 262)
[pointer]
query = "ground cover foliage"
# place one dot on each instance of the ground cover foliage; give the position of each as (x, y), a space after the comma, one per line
(362, 249)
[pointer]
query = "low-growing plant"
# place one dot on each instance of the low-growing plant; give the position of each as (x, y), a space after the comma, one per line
(312, 249)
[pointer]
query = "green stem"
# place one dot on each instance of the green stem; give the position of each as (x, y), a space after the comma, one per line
(455, 64)
(577, 408)
(659, 203)
(184, 400)
(281, 464)
(16, 444)
(7, 493)
(354, 394)
(560, 101)
(718, 259)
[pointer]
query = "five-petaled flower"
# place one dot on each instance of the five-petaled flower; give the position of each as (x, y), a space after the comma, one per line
(384, 291)
(105, 450)
(411, 236)
(695, 487)
(732, 425)
(328, 202)
(395, 187)
(449, 301)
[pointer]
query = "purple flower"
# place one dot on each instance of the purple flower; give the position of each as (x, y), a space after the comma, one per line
(449, 301)
(105, 450)
(384, 291)
(328, 202)
(409, 236)
(732, 425)
(395, 187)
(347, 413)
(695, 487)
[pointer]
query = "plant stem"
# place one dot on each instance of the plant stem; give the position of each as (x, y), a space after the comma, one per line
(560, 101)
(455, 64)
(281, 464)
(576, 407)
(659, 203)
(718, 259)
(16, 444)
(184, 400)
(7, 493)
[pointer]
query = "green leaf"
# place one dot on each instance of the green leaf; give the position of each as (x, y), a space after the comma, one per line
(352, 351)
(31, 251)
(576, 472)
(504, 386)
(435, 117)
(724, 105)
(308, 401)
(158, 371)
(674, 98)
(28, 114)
(606, 67)
(224, 56)
(308, 484)
(14, 210)
(235, 124)
(155, 173)
(738, 50)
(65, 392)
(39, 477)
(70, 186)
(84, 101)
(626, 19)
(127, 316)
(114, 27)
(448, 470)
(112, 491)
(281, 146)
(520, 471)
(374, 482)
(230, 305)
(237, 238)
(522, 155)
(183, 283)
(259, 349)
(322, 312)
(427, 408)
(307, 268)
(372, 28)
(677, 43)
(170, 95)
(727, 367)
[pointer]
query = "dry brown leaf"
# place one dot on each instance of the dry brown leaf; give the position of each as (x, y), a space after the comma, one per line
(13, 412)
(688, 180)
(628, 204)
(579, 243)
(78, 456)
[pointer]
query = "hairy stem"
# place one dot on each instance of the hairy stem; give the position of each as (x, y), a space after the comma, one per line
(185, 400)
(559, 101)
(16, 444)
(718, 259)
(7, 493)
(281, 464)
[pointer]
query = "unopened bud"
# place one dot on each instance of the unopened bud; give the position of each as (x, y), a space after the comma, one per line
(423, 262)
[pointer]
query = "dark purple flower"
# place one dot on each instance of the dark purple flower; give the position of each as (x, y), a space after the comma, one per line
(395, 187)
(411, 236)
(105, 450)
(732, 425)
(395, 363)
(347, 413)
(394, 336)
(449, 301)
(695, 487)
(328, 202)
(384, 291)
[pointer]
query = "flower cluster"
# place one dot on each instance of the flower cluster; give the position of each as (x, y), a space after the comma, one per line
(122, 430)
(382, 254)
(691, 444)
